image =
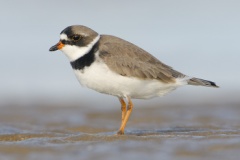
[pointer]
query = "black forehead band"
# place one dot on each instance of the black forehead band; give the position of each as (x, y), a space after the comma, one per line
(68, 31)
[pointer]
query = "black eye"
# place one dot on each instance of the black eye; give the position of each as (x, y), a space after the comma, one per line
(75, 37)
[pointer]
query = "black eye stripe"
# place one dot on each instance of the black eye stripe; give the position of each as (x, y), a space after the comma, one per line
(75, 37)
(72, 39)
(67, 42)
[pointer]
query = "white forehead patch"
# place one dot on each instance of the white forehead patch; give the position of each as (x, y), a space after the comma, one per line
(63, 36)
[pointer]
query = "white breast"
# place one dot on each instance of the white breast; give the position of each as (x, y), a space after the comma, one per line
(100, 78)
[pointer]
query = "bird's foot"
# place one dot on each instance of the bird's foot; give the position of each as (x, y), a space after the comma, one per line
(120, 132)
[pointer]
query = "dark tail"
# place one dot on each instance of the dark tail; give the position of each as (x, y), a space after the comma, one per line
(201, 82)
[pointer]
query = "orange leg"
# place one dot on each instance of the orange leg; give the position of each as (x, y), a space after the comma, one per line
(126, 117)
(123, 108)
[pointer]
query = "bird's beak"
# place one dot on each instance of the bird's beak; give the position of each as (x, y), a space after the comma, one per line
(57, 46)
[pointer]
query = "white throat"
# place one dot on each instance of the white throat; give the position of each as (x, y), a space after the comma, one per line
(75, 52)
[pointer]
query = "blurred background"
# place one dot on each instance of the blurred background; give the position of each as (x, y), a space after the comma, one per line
(46, 114)
(198, 38)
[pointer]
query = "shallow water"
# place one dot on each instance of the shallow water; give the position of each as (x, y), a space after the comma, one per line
(69, 132)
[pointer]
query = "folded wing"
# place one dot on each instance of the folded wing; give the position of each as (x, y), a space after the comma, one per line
(127, 59)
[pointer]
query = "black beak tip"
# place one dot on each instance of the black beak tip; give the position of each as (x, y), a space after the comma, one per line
(53, 48)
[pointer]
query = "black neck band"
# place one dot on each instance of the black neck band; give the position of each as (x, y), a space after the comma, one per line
(85, 60)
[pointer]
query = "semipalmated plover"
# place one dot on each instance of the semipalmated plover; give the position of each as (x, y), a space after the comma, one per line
(113, 66)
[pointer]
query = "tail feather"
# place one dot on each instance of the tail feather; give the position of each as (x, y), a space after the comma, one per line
(201, 82)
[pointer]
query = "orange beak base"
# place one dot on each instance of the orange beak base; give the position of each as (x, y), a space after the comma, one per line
(57, 46)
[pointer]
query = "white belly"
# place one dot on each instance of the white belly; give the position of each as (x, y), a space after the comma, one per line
(100, 78)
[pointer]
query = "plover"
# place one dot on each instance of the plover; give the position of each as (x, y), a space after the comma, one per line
(114, 66)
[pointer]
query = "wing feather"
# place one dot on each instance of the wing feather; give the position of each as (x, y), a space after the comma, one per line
(127, 59)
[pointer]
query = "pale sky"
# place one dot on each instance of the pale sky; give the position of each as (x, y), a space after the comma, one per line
(199, 38)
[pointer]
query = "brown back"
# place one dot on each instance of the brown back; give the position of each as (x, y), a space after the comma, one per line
(128, 59)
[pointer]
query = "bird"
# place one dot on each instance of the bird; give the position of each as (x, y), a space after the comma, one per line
(114, 66)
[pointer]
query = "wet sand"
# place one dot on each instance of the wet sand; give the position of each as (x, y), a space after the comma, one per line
(69, 132)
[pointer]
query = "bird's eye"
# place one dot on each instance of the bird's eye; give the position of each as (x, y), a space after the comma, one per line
(76, 37)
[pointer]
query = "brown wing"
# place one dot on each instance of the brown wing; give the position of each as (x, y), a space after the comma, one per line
(127, 59)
